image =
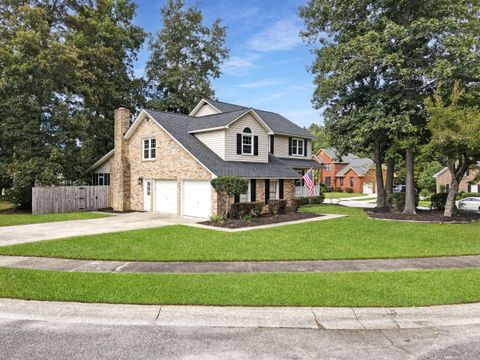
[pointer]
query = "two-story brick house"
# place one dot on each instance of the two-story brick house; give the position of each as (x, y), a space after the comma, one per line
(164, 162)
(340, 173)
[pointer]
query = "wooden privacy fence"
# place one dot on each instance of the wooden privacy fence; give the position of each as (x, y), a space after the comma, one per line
(62, 199)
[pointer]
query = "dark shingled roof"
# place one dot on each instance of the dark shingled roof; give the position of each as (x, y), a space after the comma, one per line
(276, 122)
(214, 121)
(176, 125)
(301, 163)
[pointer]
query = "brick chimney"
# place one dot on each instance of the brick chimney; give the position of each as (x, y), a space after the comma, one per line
(120, 169)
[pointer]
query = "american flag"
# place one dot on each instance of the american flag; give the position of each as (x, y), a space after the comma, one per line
(308, 178)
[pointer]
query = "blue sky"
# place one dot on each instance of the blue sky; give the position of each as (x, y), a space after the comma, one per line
(268, 61)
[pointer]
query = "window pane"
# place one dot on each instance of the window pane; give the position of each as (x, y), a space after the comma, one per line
(146, 144)
(145, 154)
(153, 143)
(153, 153)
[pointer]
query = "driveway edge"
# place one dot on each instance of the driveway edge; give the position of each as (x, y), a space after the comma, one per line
(342, 318)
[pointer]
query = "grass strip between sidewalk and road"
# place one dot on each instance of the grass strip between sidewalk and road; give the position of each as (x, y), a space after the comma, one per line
(351, 237)
(403, 288)
(24, 219)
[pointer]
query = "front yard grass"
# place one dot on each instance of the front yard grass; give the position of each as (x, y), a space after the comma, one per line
(23, 219)
(341, 195)
(405, 288)
(352, 237)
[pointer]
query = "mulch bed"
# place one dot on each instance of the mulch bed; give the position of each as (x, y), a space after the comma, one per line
(263, 220)
(428, 216)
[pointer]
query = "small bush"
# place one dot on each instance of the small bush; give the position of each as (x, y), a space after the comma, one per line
(247, 218)
(463, 195)
(438, 201)
(239, 210)
(349, 190)
(306, 200)
(397, 201)
(316, 199)
(277, 207)
(323, 188)
(217, 219)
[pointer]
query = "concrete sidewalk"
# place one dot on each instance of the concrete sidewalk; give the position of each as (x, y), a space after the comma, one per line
(243, 317)
(11, 235)
(71, 265)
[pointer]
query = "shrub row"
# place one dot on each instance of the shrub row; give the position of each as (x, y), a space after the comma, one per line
(239, 210)
(438, 200)
(463, 195)
(277, 207)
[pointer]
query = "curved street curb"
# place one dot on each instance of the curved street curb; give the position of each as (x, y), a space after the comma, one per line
(242, 317)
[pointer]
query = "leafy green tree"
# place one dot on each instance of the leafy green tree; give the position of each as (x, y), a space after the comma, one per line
(455, 141)
(230, 186)
(322, 140)
(377, 63)
(64, 67)
(185, 56)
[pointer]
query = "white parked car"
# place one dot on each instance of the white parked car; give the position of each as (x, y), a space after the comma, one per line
(469, 204)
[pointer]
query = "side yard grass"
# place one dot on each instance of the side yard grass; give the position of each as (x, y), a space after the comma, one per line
(341, 195)
(352, 237)
(407, 288)
(23, 219)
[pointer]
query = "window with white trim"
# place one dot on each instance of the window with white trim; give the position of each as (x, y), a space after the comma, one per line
(245, 197)
(247, 141)
(274, 190)
(297, 147)
(149, 149)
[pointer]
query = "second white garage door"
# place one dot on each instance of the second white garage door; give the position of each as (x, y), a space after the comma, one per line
(166, 196)
(197, 198)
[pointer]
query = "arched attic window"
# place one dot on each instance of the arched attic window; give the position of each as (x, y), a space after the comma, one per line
(247, 130)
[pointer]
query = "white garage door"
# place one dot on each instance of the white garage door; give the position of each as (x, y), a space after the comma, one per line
(166, 196)
(197, 198)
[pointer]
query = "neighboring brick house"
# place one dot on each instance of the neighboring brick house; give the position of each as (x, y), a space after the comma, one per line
(340, 173)
(443, 179)
(164, 162)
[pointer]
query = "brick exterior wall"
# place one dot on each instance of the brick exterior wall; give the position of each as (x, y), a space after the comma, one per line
(120, 165)
(445, 178)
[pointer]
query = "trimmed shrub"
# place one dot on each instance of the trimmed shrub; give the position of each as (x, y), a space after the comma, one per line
(323, 188)
(463, 195)
(277, 207)
(306, 200)
(316, 199)
(217, 219)
(397, 201)
(240, 210)
(349, 190)
(438, 201)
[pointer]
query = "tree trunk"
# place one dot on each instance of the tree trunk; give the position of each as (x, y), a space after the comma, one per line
(410, 206)
(452, 195)
(390, 178)
(381, 199)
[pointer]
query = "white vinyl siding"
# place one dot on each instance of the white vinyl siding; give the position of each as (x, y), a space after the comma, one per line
(104, 168)
(281, 147)
(206, 110)
(257, 130)
(215, 140)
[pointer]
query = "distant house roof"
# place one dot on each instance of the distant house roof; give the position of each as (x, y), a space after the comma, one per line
(176, 124)
(446, 169)
(359, 165)
(278, 123)
(301, 163)
(100, 161)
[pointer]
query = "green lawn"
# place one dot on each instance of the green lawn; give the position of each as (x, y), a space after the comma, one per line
(407, 288)
(341, 195)
(22, 219)
(353, 237)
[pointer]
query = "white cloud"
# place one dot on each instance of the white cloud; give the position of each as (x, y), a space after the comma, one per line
(282, 35)
(238, 64)
(259, 84)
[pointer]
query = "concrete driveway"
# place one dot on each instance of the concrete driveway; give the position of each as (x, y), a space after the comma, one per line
(11, 235)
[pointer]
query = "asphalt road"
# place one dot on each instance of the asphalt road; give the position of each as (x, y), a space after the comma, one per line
(50, 340)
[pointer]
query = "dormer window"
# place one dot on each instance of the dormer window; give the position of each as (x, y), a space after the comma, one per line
(149, 149)
(247, 142)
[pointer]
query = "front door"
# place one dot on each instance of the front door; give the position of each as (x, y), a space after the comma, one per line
(147, 195)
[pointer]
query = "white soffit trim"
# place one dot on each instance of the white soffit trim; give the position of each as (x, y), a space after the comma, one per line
(440, 172)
